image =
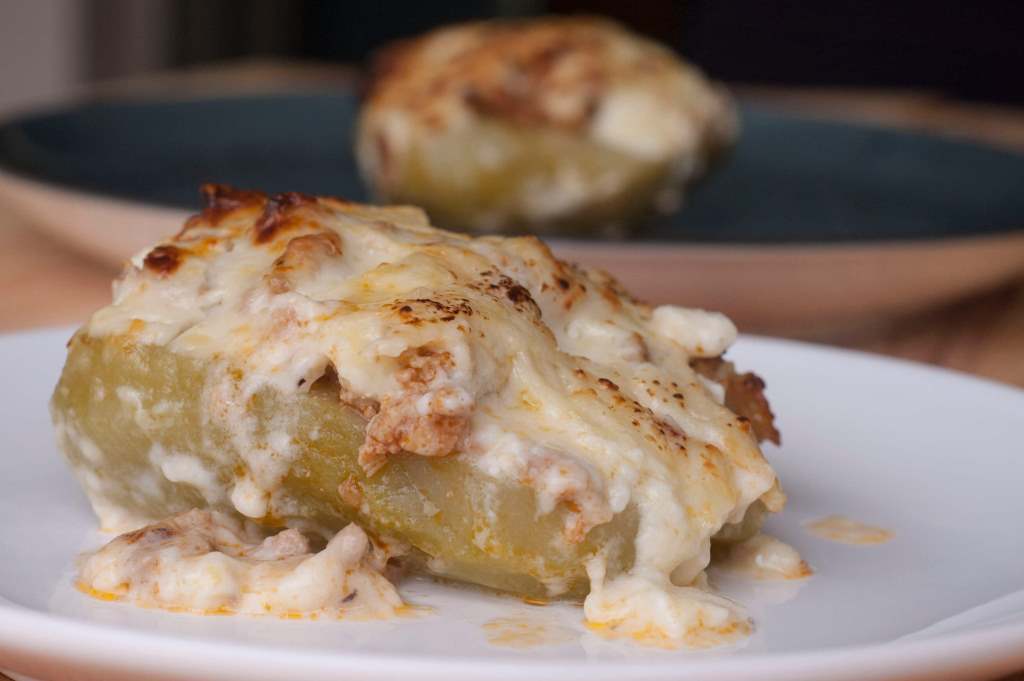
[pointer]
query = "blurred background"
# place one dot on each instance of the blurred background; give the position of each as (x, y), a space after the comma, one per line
(962, 49)
(942, 67)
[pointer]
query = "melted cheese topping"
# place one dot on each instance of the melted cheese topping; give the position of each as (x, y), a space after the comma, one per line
(532, 369)
(207, 562)
(763, 557)
(586, 75)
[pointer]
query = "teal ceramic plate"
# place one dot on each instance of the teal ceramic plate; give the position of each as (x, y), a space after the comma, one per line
(808, 224)
(790, 180)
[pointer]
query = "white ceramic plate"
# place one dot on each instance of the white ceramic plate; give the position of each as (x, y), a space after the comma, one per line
(934, 456)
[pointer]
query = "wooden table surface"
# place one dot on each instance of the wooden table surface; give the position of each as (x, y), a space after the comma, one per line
(48, 284)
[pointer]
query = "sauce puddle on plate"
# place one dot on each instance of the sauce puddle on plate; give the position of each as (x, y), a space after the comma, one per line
(523, 631)
(846, 531)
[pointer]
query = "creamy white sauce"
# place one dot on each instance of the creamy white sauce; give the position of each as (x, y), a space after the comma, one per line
(699, 332)
(647, 607)
(762, 557)
(590, 401)
(207, 562)
(188, 469)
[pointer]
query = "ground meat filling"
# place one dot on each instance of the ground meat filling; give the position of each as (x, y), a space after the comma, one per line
(428, 424)
(429, 418)
(744, 395)
(204, 561)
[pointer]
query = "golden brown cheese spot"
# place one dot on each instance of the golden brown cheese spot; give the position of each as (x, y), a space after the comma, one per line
(571, 288)
(503, 286)
(514, 97)
(671, 432)
(661, 434)
(510, 70)
(518, 294)
(279, 215)
(221, 201)
(164, 260)
(440, 308)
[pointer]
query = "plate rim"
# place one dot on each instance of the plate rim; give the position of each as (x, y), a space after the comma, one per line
(84, 642)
